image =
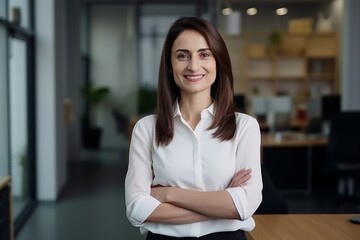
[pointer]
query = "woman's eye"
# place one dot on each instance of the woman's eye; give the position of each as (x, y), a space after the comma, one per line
(205, 54)
(183, 56)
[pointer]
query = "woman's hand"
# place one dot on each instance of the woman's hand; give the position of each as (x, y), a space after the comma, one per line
(160, 193)
(240, 178)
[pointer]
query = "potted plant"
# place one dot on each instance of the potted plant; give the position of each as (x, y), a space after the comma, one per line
(93, 96)
(146, 100)
(275, 40)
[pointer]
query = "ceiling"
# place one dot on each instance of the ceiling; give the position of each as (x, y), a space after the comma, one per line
(274, 1)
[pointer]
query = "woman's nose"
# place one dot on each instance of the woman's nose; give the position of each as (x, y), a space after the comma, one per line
(193, 64)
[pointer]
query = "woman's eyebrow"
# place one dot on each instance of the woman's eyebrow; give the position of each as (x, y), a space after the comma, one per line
(182, 50)
(186, 50)
(204, 49)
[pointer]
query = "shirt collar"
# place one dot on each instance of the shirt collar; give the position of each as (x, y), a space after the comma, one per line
(210, 109)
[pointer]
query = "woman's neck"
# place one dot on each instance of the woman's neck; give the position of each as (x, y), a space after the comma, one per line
(191, 108)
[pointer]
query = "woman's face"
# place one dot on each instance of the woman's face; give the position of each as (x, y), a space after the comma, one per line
(193, 64)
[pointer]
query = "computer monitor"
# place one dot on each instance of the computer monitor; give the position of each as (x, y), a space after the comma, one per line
(259, 107)
(280, 104)
(313, 108)
(274, 110)
(279, 113)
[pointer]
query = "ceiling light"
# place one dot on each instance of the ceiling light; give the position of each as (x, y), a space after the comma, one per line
(281, 11)
(251, 11)
(227, 11)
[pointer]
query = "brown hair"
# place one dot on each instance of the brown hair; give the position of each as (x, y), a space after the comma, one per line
(221, 90)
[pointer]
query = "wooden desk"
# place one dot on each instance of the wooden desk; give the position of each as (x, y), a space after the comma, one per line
(294, 124)
(305, 226)
(6, 221)
(291, 140)
(289, 159)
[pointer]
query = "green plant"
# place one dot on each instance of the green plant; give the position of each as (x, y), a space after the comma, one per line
(146, 100)
(275, 40)
(21, 157)
(93, 96)
(255, 91)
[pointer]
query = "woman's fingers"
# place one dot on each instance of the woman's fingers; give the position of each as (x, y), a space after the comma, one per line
(240, 178)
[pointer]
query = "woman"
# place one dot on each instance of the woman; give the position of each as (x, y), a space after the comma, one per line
(189, 165)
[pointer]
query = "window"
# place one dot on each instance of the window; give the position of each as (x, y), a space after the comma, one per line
(17, 105)
(19, 13)
(155, 21)
(4, 163)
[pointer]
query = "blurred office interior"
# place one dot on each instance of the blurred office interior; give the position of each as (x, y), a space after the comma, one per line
(295, 66)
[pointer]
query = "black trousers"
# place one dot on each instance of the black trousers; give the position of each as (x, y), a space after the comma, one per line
(236, 235)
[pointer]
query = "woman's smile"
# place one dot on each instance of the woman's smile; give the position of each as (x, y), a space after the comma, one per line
(194, 77)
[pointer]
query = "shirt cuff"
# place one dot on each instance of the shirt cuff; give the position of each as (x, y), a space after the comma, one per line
(142, 209)
(238, 196)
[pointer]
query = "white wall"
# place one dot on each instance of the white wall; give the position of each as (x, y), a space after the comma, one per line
(51, 161)
(113, 60)
(4, 155)
(351, 56)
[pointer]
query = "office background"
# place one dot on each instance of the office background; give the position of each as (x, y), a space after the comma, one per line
(42, 68)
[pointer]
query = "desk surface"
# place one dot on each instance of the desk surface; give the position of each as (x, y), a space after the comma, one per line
(305, 226)
(4, 181)
(291, 140)
(295, 123)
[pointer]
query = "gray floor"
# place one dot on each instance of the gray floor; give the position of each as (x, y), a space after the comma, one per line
(92, 206)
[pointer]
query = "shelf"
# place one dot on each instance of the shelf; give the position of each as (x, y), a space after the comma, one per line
(302, 62)
(321, 76)
(320, 57)
(290, 55)
(257, 58)
(290, 78)
(260, 78)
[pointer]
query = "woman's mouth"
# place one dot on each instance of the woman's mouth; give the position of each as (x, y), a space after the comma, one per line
(194, 78)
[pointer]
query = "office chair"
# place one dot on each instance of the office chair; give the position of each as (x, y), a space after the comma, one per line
(330, 105)
(281, 122)
(121, 121)
(343, 150)
(314, 126)
(273, 202)
(240, 102)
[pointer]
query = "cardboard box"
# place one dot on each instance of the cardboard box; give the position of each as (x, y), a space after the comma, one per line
(300, 25)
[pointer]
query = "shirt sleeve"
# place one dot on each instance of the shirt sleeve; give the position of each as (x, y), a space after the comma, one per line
(248, 198)
(139, 203)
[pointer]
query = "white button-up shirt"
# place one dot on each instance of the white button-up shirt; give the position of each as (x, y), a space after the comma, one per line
(196, 160)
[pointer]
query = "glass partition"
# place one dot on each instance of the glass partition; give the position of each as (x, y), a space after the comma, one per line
(4, 164)
(3, 9)
(18, 123)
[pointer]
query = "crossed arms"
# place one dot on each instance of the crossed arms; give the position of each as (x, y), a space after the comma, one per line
(179, 206)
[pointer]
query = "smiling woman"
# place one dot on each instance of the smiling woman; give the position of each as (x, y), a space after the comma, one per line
(193, 65)
(194, 167)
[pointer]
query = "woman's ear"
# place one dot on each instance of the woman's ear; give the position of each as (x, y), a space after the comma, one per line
(170, 70)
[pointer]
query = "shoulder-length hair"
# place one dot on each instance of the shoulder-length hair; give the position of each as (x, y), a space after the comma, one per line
(221, 90)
